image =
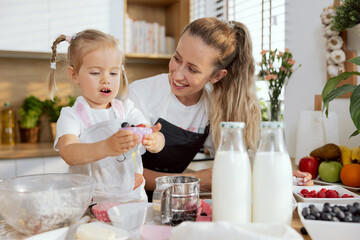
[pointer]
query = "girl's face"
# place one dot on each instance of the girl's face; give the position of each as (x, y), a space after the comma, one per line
(99, 76)
(191, 68)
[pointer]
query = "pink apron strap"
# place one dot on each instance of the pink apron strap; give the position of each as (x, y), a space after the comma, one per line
(81, 110)
(119, 108)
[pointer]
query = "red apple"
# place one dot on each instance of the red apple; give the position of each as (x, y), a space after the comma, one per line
(309, 164)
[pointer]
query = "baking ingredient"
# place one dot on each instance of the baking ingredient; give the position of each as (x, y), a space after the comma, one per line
(231, 187)
(345, 155)
(272, 186)
(309, 164)
(93, 232)
(355, 155)
(350, 175)
(7, 125)
(231, 177)
(350, 213)
(329, 152)
(329, 171)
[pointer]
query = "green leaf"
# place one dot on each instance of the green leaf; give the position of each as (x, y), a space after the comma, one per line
(355, 107)
(355, 60)
(354, 133)
(331, 85)
(338, 92)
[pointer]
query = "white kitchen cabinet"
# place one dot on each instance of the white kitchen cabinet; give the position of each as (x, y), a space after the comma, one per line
(10, 168)
(7, 169)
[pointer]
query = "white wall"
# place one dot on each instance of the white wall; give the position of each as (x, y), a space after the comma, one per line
(304, 39)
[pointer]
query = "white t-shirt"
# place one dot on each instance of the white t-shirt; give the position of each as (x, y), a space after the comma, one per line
(153, 97)
(70, 122)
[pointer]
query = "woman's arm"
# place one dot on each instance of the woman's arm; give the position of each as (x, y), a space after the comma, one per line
(205, 177)
(74, 153)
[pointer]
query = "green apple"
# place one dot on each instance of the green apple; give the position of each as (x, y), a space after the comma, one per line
(329, 171)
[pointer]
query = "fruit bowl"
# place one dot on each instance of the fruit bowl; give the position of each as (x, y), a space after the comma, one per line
(38, 203)
(339, 189)
(139, 130)
(320, 230)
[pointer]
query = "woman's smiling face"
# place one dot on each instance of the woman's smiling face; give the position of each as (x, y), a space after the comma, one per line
(191, 68)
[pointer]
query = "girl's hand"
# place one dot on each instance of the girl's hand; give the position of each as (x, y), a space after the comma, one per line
(155, 141)
(121, 142)
(303, 178)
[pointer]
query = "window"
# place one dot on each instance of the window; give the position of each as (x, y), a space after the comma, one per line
(265, 20)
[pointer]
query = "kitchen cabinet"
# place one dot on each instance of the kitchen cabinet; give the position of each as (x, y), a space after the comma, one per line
(10, 168)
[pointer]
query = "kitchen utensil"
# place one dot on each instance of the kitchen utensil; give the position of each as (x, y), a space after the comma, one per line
(38, 203)
(176, 199)
(130, 216)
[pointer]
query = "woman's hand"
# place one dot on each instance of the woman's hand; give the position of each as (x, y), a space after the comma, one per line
(155, 141)
(303, 178)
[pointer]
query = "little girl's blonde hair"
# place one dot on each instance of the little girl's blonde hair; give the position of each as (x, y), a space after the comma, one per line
(81, 44)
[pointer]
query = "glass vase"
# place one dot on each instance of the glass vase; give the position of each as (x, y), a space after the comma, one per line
(274, 110)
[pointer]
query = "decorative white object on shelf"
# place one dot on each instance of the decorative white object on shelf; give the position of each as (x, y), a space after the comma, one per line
(335, 56)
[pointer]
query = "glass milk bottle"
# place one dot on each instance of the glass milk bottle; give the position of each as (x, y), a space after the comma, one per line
(272, 177)
(231, 177)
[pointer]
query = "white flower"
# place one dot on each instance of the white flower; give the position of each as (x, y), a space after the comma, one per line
(337, 56)
(327, 15)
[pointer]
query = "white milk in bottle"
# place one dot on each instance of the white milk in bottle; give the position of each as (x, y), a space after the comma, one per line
(272, 177)
(231, 179)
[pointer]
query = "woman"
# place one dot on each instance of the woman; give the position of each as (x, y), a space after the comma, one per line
(210, 80)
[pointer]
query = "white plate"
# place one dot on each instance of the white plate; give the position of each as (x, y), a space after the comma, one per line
(325, 230)
(318, 181)
(317, 188)
(60, 234)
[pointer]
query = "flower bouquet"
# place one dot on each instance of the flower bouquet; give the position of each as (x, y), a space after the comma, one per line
(276, 68)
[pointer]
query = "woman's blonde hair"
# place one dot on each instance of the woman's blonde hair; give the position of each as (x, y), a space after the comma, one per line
(233, 98)
(81, 44)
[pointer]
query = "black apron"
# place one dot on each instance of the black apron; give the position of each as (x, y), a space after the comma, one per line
(180, 148)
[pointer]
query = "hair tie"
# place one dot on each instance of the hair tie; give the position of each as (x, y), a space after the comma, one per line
(229, 23)
(53, 65)
(70, 38)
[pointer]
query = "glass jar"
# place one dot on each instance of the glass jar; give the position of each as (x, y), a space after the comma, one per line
(272, 177)
(231, 179)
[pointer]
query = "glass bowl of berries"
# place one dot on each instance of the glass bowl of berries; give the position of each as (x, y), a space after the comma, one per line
(139, 129)
(321, 194)
(330, 221)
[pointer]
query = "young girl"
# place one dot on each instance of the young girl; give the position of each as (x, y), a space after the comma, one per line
(89, 136)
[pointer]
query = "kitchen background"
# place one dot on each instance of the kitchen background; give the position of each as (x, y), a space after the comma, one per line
(28, 29)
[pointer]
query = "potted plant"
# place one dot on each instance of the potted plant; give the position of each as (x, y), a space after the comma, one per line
(30, 113)
(332, 91)
(53, 109)
(347, 15)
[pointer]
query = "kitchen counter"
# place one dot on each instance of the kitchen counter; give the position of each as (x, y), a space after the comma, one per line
(27, 150)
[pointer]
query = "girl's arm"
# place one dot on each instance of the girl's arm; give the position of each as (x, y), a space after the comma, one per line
(75, 153)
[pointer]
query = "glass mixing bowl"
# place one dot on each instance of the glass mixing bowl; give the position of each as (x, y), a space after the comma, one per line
(37, 203)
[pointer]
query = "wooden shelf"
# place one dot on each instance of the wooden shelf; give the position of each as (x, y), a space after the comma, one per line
(27, 150)
(25, 54)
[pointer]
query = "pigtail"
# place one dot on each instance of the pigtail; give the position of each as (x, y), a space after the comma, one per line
(51, 80)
